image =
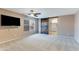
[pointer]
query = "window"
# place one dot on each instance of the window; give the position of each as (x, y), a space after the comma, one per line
(26, 25)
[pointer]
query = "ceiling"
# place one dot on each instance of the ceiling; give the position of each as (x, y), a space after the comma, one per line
(46, 12)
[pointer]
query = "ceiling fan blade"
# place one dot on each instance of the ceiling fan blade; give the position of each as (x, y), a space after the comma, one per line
(32, 13)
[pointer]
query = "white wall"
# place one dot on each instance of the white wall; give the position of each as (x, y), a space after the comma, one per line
(77, 27)
(39, 25)
(66, 25)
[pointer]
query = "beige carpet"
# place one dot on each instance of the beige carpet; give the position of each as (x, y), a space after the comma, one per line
(41, 42)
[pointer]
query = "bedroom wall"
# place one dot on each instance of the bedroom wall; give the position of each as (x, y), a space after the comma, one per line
(77, 26)
(39, 25)
(11, 33)
(66, 25)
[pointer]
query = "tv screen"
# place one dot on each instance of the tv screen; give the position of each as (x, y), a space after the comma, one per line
(9, 21)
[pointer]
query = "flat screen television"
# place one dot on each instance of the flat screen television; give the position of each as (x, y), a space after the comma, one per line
(9, 21)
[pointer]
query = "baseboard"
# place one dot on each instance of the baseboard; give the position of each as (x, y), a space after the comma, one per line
(8, 40)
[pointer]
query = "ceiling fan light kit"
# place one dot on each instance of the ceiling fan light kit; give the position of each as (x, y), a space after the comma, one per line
(33, 13)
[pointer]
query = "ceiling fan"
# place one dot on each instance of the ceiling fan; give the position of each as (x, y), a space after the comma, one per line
(33, 13)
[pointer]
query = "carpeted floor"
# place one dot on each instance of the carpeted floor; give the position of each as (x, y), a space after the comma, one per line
(41, 42)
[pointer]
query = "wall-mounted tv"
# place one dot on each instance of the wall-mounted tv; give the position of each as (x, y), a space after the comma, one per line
(9, 21)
